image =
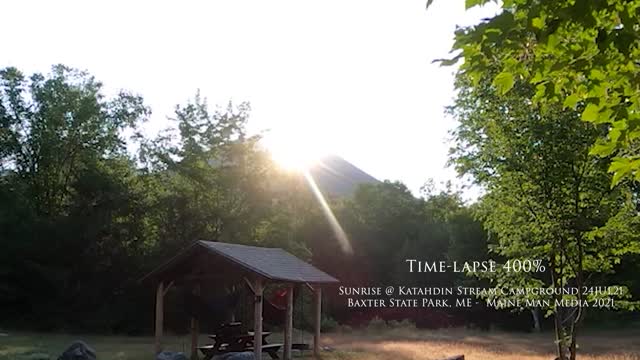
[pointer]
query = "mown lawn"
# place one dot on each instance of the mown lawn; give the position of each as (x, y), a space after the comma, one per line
(402, 344)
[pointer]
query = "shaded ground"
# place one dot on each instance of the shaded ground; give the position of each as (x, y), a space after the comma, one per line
(401, 344)
(22, 345)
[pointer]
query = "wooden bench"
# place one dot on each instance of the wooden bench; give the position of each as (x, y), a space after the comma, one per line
(300, 346)
(208, 351)
(271, 349)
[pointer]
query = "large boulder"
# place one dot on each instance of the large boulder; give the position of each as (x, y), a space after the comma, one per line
(246, 355)
(78, 350)
(169, 355)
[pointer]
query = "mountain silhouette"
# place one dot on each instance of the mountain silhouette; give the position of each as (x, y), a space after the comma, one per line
(337, 177)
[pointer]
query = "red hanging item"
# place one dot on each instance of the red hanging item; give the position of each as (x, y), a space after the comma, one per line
(274, 308)
(280, 298)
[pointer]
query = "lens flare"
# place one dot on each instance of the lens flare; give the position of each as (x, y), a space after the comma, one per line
(299, 150)
(343, 240)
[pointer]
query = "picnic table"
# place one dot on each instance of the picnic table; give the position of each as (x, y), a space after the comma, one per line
(231, 338)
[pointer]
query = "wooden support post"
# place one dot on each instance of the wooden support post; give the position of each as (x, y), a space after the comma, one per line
(159, 316)
(232, 317)
(288, 324)
(257, 319)
(317, 301)
(195, 328)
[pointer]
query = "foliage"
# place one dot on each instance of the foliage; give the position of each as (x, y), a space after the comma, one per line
(70, 193)
(328, 324)
(82, 218)
(576, 55)
(209, 175)
(547, 197)
(528, 74)
(376, 325)
(403, 324)
(386, 224)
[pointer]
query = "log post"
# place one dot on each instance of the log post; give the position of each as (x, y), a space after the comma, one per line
(257, 318)
(288, 324)
(159, 316)
(317, 301)
(195, 328)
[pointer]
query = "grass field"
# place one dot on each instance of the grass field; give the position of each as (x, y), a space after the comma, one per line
(402, 344)
(405, 344)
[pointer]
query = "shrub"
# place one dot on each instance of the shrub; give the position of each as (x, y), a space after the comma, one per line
(376, 324)
(394, 324)
(328, 324)
(403, 324)
(345, 329)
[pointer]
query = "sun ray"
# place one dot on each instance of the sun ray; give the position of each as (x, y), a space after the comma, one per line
(343, 239)
(299, 150)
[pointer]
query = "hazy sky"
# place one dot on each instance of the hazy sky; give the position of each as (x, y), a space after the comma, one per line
(348, 77)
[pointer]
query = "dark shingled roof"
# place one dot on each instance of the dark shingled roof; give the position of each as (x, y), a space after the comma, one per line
(271, 263)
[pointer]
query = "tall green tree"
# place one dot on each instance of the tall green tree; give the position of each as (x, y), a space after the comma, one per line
(69, 193)
(546, 196)
(54, 125)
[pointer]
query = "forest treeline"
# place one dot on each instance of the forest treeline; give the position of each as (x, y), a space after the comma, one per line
(89, 204)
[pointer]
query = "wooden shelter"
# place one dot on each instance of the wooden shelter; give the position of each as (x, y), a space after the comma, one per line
(222, 263)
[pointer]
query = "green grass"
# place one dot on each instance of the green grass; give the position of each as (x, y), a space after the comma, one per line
(22, 345)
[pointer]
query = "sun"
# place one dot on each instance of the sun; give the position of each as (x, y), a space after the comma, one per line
(299, 151)
(294, 160)
(294, 152)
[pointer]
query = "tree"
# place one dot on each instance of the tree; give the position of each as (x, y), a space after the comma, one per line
(52, 126)
(547, 197)
(217, 182)
(81, 218)
(69, 193)
(576, 54)
(386, 224)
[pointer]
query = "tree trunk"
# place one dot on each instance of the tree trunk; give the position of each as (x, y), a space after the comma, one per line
(195, 327)
(288, 324)
(579, 284)
(535, 314)
(257, 318)
(317, 301)
(572, 347)
(557, 321)
(159, 317)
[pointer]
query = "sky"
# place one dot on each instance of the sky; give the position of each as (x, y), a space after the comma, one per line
(352, 78)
